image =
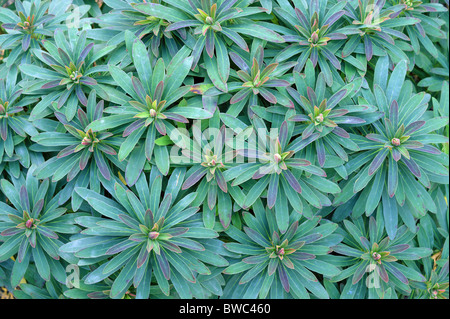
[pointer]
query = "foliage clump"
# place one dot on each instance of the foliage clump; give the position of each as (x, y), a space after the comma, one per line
(224, 149)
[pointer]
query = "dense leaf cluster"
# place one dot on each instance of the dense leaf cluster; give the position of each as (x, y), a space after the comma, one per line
(224, 149)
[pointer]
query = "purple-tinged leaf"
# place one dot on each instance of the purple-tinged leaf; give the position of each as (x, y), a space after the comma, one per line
(212, 196)
(80, 94)
(314, 56)
(98, 110)
(382, 272)
(309, 130)
(298, 255)
(386, 37)
(398, 248)
(101, 164)
(177, 231)
(63, 98)
(164, 206)
(392, 182)
(66, 151)
(182, 24)
(129, 221)
(414, 126)
(336, 98)
(239, 96)
(133, 127)
(267, 95)
(393, 113)
(4, 129)
(252, 153)
(24, 201)
(349, 120)
(158, 91)
(209, 44)
(272, 190)
(311, 238)
(365, 242)
(396, 272)
(239, 62)
(299, 118)
(283, 278)
(224, 6)
(396, 155)
(195, 177)
(333, 18)
(83, 118)
(336, 36)
(86, 80)
(429, 149)
(84, 158)
(412, 144)
(172, 247)
(220, 179)
(160, 127)
(138, 88)
(84, 53)
(142, 257)
(106, 149)
(176, 117)
(276, 83)
(378, 160)
(340, 132)
(320, 149)
(292, 230)
(283, 135)
(256, 237)
(303, 20)
(11, 232)
(37, 208)
(236, 38)
(377, 138)
(412, 166)
(124, 245)
(47, 232)
(337, 113)
(298, 162)
(359, 272)
(22, 252)
(331, 57)
(293, 182)
(51, 84)
(368, 47)
(26, 41)
(62, 118)
(163, 264)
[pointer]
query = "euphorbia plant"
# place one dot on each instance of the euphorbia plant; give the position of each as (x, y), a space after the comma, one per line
(279, 171)
(372, 251)
(316, 36)
(33, 227)
(70, 71)
(82, 152)
(146, 237)
(279, 264)
(215, 23)
(400, 159)
(31, 22)
(13, 120)
(373, 25)
(124, 18)
(328, 114)
(150, 110)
